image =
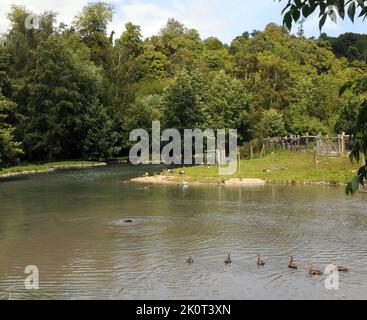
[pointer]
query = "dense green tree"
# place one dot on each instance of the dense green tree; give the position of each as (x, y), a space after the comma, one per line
(141, 114)
(352, 46)
(348, 117)
(227, 105)
(100, 142)
(182, 104)
(10, 149)
(271, 125)
(272, 85)
(156, 64)
(56, 95)
(130, 42)
(91, 24)
(213, 43)
(240, 43)
(22, 43)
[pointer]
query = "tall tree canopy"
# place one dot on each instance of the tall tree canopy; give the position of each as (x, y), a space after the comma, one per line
(77, 92)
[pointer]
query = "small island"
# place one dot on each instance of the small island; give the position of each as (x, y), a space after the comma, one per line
(287, 167)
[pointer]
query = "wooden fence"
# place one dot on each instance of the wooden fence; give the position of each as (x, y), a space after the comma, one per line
(325, 145)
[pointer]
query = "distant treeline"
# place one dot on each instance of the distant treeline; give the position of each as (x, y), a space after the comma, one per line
(77, 92)
(352, 46)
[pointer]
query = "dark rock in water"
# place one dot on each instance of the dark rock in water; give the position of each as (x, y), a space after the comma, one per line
(128, 221)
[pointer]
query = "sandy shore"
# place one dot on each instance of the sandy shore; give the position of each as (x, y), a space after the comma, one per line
(244, 182)
(50, 170)
(156, 180)
(234, 182)
(162, 179)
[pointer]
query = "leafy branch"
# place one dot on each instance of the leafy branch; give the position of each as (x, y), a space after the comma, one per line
(295, 9)
(359, 136)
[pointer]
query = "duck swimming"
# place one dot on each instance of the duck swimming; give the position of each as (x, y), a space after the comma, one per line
(228, 260)
(312, 271)
(340, 268)
(291, 264)
(260, 262)
(190, 260)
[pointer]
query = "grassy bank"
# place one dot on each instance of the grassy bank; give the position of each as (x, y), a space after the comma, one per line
(45, 167)
(288, 167)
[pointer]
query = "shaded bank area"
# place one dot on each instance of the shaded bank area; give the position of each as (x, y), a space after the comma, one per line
(29, 169)
(287, 167)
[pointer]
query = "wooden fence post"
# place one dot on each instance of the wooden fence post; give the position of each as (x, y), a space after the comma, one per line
(343, 143)
(307, 141)
(238, 158)
(251, 152)
(315, 157)
(262, 151)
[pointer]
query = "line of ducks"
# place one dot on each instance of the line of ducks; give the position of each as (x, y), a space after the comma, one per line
(291, 265)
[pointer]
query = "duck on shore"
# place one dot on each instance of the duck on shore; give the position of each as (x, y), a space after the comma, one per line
(228, 259)
(312, 271)
(291, 264)
(260, 262)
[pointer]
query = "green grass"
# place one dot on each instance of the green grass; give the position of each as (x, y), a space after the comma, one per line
(44, 166)
(289, 166)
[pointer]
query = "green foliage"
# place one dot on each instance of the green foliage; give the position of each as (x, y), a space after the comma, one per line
(130, 41)
(93, 19)
(91, 24)
(22, 42)
(227, 105)
(56, 94)
(100, 141)
(10, 149)
(156, 65)
(348, 117)
(360, 136)
(213, 43)
(295, 9)
(76, 92)
(271, 124)
(348, 45)
(352, 46)
(300, 124)
(181, 102)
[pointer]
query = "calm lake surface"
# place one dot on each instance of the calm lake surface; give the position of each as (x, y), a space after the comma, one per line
(71, 225)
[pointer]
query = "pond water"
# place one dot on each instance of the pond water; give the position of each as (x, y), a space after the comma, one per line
(70, 224)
